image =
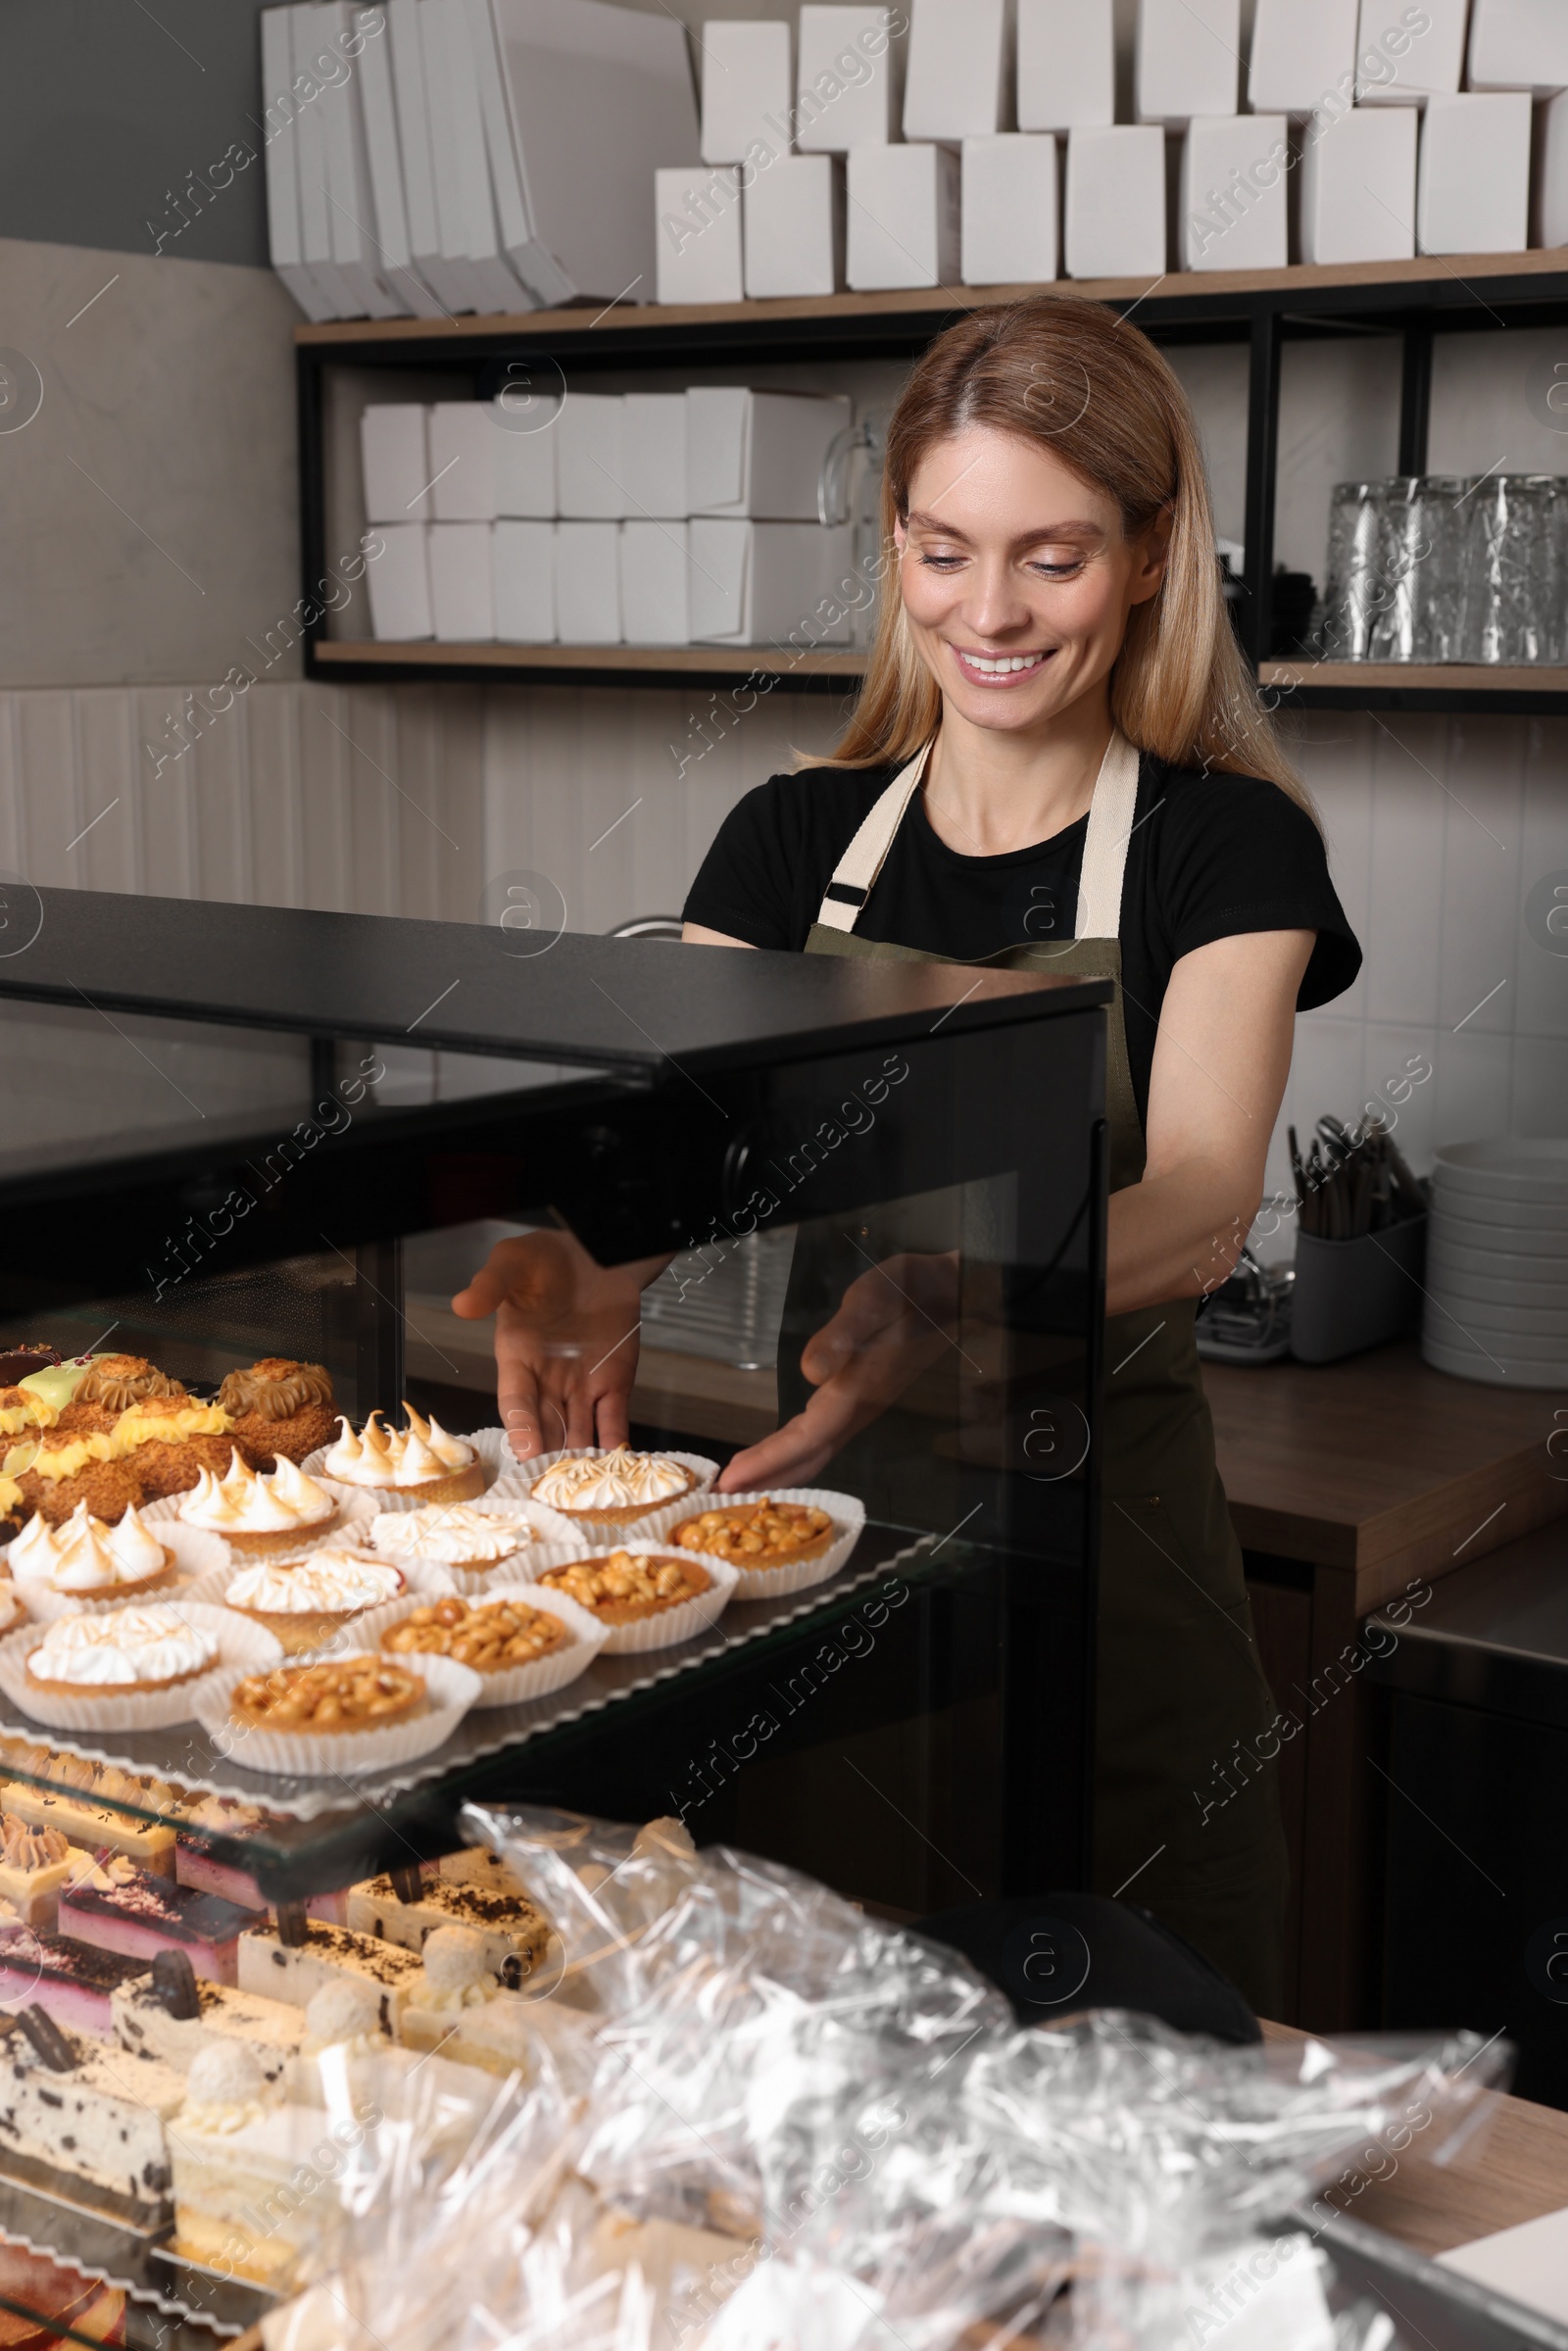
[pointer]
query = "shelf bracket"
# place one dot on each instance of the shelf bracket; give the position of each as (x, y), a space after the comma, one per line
(1416, 399)
(1263, 441)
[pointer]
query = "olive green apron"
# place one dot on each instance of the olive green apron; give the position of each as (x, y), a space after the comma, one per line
(1179, 1681)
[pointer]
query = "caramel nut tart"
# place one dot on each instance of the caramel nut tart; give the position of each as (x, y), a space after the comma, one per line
(620, 1588)
(279, 1407)
(337, 1694)
(615, 1487)
(490, 1637)
(760, 1534)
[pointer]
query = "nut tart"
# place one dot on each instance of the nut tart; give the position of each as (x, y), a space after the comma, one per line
(339, 1695)
(521, 1640)
(618, 1487)
(647, 1595)
(423, 1460)
(304, 1602)
(764, 1534)
(87, 1560)
(277, 1511)
(279, 1407)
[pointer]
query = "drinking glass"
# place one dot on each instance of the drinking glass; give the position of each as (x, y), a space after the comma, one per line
(1435, 549)
(1513, 584)
(1356, 529)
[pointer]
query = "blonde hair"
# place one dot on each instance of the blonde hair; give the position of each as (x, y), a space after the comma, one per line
(1094, 391)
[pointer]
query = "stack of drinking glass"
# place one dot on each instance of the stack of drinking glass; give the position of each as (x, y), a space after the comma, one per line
(1445, 567)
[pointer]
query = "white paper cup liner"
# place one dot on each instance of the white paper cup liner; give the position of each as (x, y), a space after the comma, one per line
(670, 1625)
(201, 1567)
(495, 1459)
(648, 1525)
(551, 1531)
(452, 1690)
(350, 1513)
(242, 1649)
(846, 1510)
(522, 1682)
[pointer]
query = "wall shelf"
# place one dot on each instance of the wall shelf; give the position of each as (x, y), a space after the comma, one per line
(723, 667)
(1416, 686)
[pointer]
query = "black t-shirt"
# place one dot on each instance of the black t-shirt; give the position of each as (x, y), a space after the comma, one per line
(1209, 856)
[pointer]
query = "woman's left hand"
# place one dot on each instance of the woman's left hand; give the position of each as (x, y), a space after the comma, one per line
(891, 1324)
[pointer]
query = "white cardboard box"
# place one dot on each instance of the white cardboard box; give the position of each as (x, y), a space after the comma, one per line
(588, 583)
(464, 206)
(1473, 185)
(846, 95)
(1188, 60)
(759, 453)
(527, 435)
(523, 564)
(1519, 44)
(654, 590)
(653, 454)
(746, 79)
(1358, 185)
(1303, 53)
(399, 582)
(463, 601)
(450, 281)
(1115, 212)
(1233, 200)
(1551, 175)
(769, 583)
(1010, 233)
(351, 203)
(1066, 64)
(793, 219)
(1398, 66)
(590, 469)
(958, 83)
(282, 166)
(395, 459)
(903, 217)
(696, 221)
(372, 86)
(462, 462)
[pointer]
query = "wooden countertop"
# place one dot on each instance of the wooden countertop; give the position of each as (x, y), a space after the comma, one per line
(1380, 1464)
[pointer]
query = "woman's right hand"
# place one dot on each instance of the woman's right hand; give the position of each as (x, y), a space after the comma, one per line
(566, 1334)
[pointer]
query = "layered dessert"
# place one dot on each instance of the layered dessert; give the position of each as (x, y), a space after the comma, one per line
(272, 1512)
(14, 1510)
(622, 1588)
(236, 2150)
(459, 2010)
(476, 1865)
(339, 1695)
(125, 1651)
(197, 1864)
(296, 1971)
(35, 1864)
(345, 2014)
(470, 1541)
(421, 1460)
(88, 2115)
(71, 1805)
(490, 1635)
(121, 1908)
(58, 1468)
(171, 1440)
(760, 1534)
(505, 1929)
(279, 1407)
(114, 1382)
(618, 1487)
(304, 1602)
(85, 1560)
(172, 2016)
(75, 1981)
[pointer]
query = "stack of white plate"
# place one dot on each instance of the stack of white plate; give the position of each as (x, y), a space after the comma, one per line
(1497, 1263)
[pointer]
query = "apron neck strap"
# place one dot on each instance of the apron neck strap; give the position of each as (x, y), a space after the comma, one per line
(857, 870)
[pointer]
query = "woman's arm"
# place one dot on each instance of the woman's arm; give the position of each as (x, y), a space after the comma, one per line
(697, 934)
(1221, 1059)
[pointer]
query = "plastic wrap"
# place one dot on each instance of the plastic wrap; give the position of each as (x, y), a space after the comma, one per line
(788, 2127)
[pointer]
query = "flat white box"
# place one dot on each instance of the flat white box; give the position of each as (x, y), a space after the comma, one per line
(590, 470)
(697, 220)
(527, 434)
(282, 167)
(1115, 212)
(360, 252)
(399, 582)
(1010, 232)
(764, 583)
(653, 455)
(377, 104)
(450, 280)
(903, 217)
(759, 453)
(588, 583)
(462, 601)
(956, 83)
(1188, 60)
(1473, 185)
(463, 460)
(844, 94)
(1519, 45)
(522, 559)
(1358, 185)
(793, 224)
(1551, 175)
(1304, 50)
(746, 78)
(655, 594)
(1398, 67)
(465, 212)
(1233, 201)
(395, 459)
(1066, 64)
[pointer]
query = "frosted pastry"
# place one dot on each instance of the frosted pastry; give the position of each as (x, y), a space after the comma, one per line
(279, 1408)
(623, 1586)
(35, 1864)
(454, 1534)
(256, 1512)
(170, 2015)
(121, 1908)
(89, 1560)
(296, 1971)
(306, 1602)
(172, 1440)
(119, 1381)
(58, 1468)
(418, 1459)
(68, 1806)
(618, 1485)
(505, 1929)
(23, 1409)
(87, 2115)
(124, 1649)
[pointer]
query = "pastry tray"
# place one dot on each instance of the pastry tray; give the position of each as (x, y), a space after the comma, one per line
(48, 2220)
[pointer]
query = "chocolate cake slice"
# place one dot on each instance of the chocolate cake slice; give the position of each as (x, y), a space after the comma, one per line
(73, 1981)
(129, 1910)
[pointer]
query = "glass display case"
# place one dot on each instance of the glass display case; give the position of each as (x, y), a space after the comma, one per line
(237, 1137)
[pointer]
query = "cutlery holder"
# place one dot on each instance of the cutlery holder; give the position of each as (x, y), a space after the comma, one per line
(1352, 1295)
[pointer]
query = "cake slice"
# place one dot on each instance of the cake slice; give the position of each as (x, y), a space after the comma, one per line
(91, 1826)
(456, 2007)
(89, 2114)
(35, 1864)
(295, 1971)
(476, 1865)
(171, 2016)
(252, 2172)
(511, 1931)
(129, 1910)
(195, 1863)
(73, 1981)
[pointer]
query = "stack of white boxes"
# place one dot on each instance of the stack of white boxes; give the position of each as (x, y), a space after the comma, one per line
(644, 519)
